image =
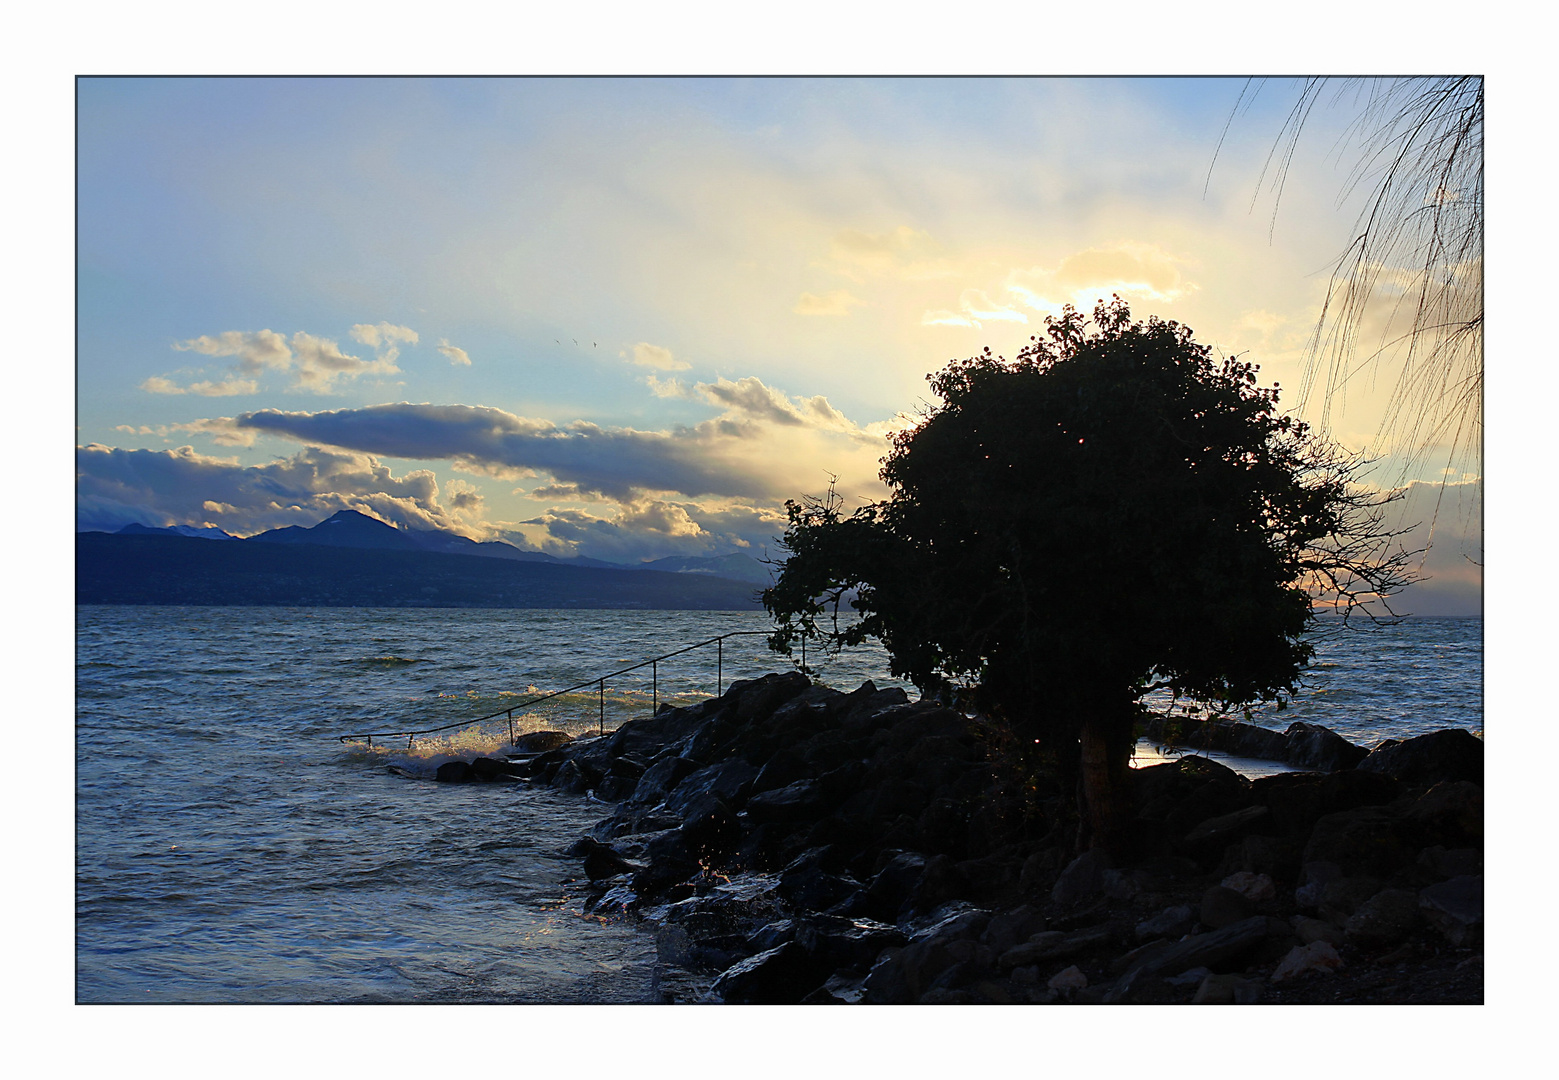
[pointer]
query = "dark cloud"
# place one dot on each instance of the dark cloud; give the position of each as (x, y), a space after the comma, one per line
(181, 487)
(653, 528)
(618, 462)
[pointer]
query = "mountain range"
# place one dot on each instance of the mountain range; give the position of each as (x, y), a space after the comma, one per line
(350, 529)
(352, 560)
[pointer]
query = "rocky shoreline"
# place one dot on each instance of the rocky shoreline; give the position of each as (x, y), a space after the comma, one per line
(788, 843)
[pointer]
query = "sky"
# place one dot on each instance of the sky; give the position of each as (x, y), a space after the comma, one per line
(629, 318)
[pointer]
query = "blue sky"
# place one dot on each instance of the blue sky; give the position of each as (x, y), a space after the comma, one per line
(628, 318)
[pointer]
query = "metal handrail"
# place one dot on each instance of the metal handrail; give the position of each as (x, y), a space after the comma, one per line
(653, 663)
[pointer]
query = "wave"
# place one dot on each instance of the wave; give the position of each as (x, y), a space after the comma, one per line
(383, 662)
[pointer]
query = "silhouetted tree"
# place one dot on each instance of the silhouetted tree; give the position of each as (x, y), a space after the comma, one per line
(1109, 513)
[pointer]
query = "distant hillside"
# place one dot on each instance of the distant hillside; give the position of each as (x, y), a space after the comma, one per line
(170, 569)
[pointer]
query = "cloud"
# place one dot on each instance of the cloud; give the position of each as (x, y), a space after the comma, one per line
(653, 528)
(256, 351)
(654, 356)
(837, 302)
(383, 334)
(617, 461)
(183, 487)
(1083, 277)
(454, 355)
(316, 363)
(902, 253)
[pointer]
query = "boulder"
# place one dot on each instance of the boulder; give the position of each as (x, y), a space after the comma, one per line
(1362, 841)
(1257, 888)
(1319, 748)
(1448, 754)
(709, 830)
(1384, 919)
(454, 772)
(1341, 898)
(1455, 908)
(486, 768)
(1222, 907)
(1308, 930)
(794, 802)
(1070, 978)
(660, 778)
(1011, 927)
(894, 884)
(780, 976)
(1213, 950)
(1450, 813)
(1227, 989)
(1318, 956)
(1082, 879)
(781, 770)
(1172, 922)
(538, 742)
(728, 780)
(757, 699)
(1446, 863)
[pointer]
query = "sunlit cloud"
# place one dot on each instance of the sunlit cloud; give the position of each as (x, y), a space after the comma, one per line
(316, 363)
(837, 302)
(383, 335)
(901, 253)
(658, 357)
(454, 355)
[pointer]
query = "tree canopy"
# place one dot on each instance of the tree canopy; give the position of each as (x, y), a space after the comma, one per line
(1111, 511)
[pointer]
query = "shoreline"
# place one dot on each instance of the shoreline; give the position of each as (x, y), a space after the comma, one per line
(788, 843)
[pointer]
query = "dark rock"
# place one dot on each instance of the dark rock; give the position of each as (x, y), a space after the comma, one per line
(846, 943)
(729, 780)
(759, 699)
(1313, 878)
(1449, 754)
(1083, 878)
(772, 935)
(1223, 907)
(1172, 922)
(940, 881)
(1219, 949)
(1055, 945)
(1362, 841)
(538, 742)
(894, 884)
(1455, 908)
(602, 862)
(1316, 747)
(781, 976)
(1341, 898)
(616, 788)
(781, 770)
(661, 777)
(454, 772)
(1008, 929)
(1384, 919)
(794, 802)
(1455, 862)
(1451, 812)
(486, 768)
(572, 778)
(1276, 857)
(1218, 831)
(709, 830)
(648, 738)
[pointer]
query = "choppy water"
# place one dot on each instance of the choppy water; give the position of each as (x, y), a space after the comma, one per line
(230, 849)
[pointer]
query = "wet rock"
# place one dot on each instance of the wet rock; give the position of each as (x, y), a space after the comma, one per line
(601, 861)
(846, 943)
(1055, 945)
(1384, 919)
(538, 742)
(1276, 857)
(1318, 956)
(780, 976)
(892, 886)
(1218, 831)
(940, 881)
(709, 830)
(841, 988)
(1455, 908)
(794, 802)
(486, 768)
(661, 777)
(1450, 754)
(454, 772)
(781, 770)
(758, 699)
(729, 780)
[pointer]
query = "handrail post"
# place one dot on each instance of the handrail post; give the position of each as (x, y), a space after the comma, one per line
(511, 727)
(803, 652)
(601, 717)
(719, 662)
(654, 687)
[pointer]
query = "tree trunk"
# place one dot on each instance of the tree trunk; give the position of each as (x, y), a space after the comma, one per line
(1106, 795)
